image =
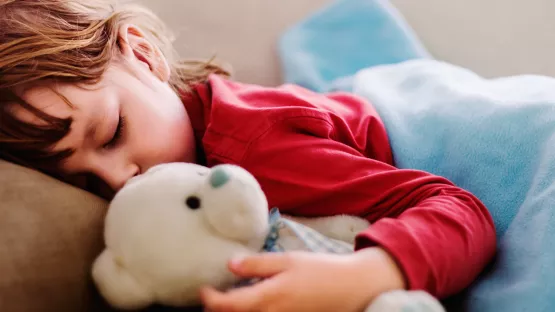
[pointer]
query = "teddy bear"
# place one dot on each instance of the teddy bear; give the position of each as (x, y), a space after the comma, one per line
(173, 229)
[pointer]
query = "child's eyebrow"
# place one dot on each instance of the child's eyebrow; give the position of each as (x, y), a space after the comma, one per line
(89, 134)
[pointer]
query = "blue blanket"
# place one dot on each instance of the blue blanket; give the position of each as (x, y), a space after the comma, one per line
(323, 51)
(495, 138)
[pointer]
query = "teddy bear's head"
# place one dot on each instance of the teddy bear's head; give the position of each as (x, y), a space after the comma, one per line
(172, 230)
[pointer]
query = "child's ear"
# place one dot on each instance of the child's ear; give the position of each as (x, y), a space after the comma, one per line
(134, 46)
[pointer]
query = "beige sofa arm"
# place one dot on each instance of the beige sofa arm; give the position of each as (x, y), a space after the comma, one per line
(49, 234)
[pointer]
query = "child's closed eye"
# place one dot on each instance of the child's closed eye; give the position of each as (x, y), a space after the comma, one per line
(118, 133)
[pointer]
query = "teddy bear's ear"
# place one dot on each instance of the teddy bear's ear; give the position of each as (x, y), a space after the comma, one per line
(117, 285)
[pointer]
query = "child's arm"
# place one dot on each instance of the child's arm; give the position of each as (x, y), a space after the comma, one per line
(325, 164)
(440, 235)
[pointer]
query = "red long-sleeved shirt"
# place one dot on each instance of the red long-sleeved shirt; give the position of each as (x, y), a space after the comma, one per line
(321, 155)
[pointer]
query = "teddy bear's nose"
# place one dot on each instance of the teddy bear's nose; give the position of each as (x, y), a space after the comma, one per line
(218, 177)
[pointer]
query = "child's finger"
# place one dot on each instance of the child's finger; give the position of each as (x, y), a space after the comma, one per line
(236, 300)
(262, 265)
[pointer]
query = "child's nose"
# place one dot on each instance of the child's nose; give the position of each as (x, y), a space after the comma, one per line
(218, 177)
(116, 178)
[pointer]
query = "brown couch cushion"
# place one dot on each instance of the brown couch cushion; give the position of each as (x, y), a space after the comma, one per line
(50, 233)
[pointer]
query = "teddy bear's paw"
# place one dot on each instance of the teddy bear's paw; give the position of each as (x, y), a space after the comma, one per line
(117, 285)
(405, 301)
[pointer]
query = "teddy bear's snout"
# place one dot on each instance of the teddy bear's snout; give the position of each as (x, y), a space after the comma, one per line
(219, 177)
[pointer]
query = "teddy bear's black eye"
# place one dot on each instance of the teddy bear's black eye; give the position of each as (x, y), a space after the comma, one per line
(193, 202)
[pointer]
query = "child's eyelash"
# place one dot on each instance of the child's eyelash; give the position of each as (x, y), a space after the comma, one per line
(117, 135)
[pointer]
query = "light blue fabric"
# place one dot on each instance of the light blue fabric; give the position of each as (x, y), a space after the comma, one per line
(342, 38)
(495, 138)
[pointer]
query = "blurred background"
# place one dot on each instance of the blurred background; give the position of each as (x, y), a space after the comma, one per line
(491, 37)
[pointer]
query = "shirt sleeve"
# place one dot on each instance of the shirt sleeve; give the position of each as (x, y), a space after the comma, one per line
(338, 163)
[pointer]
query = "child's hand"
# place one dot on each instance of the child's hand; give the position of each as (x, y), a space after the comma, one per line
(302, 281)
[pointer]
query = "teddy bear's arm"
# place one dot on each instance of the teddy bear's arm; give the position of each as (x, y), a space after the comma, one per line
(117, 285)
(340, 227)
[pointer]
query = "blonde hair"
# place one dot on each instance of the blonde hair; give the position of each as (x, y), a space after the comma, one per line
(68, 41)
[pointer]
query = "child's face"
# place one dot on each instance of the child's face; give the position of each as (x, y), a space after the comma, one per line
(128, 122)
